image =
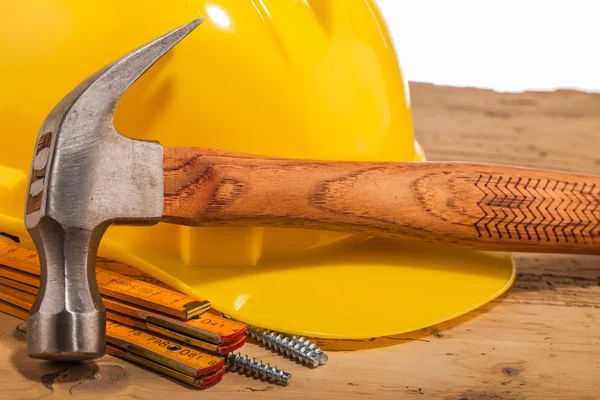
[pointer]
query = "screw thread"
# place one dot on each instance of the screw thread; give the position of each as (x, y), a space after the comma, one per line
(300, 349)
(312, 347)
(256, 369)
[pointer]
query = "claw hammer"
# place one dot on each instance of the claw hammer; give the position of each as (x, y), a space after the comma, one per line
(86, 176)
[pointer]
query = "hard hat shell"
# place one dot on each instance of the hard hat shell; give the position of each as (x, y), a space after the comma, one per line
(313, 79)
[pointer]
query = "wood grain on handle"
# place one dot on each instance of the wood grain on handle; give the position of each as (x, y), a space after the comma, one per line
(480, 206)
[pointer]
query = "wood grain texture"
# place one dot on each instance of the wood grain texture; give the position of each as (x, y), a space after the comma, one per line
(473, 205)
(538, 341)
(557, 130)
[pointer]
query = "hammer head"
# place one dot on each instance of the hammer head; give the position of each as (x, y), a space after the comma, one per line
(84, 177)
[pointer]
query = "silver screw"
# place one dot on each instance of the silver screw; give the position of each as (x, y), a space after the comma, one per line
(256, 369)
(300, 349)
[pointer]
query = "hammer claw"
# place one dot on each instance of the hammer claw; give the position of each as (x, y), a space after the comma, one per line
(116, 78)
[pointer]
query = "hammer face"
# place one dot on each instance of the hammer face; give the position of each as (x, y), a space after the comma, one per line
(67, 320)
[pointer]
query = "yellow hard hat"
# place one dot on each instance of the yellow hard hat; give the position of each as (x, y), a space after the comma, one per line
(315, 79)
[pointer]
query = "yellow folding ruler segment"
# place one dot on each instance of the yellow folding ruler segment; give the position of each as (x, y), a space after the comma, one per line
(112, 284)
(171, 358)
(207, 331)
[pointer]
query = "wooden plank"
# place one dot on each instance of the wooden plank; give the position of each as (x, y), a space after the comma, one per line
(555, 130)
(541, 340)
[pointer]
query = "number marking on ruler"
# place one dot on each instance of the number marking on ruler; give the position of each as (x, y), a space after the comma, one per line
(176, 356)
(201, 382)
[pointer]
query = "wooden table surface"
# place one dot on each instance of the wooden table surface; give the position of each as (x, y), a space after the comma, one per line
(541, 340)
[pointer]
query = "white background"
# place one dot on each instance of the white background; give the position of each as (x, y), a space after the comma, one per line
(507, 45)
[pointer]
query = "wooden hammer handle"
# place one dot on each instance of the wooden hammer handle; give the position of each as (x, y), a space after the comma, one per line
(480, 206)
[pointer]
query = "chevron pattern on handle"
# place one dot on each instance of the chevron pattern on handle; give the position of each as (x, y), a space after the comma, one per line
(538, 209)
